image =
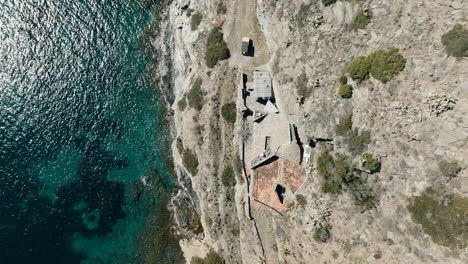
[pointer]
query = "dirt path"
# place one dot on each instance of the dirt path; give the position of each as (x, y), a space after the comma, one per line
(245, 24)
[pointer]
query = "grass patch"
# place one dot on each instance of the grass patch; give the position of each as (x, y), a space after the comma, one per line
(362, 18)
(195, 95)
(228, 178)
(228, 111)
(216, 48)
(182, 104)
(190, 161)
(211, 258)
(449, 168)
(382, 65)
(370, 163)
(345, 91)
(195, 21)
(344, 125)
(456, 41)
(443, 217)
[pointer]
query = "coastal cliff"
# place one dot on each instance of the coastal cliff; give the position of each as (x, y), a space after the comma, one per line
(411, 118)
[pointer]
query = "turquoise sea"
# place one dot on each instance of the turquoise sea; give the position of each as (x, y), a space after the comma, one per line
(80, 126)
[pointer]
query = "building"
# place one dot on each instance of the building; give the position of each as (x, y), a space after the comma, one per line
(262, 85)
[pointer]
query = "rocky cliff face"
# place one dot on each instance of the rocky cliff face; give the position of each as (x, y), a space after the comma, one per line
(415, 120)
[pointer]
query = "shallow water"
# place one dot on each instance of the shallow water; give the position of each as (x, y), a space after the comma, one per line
(79, 126)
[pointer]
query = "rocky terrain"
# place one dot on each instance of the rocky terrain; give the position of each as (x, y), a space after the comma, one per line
(415, 120)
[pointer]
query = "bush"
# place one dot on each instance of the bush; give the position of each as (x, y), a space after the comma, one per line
(190, 161)
(328, 2)
(301, 86)
(343, 80)
(443, 217)
(362, 18)
(344, 125)
(195, 21)
(359, 68)
(195, 95)
(386, 64)
(228, 111)
(370, 163)
(456, 41)
(182, 104)
(301, 200)
(449, 168)
(357, 142)
(322, 234)
(228, 177)
(345, 91)
(216, 48)
(211, 258)
(383, 65)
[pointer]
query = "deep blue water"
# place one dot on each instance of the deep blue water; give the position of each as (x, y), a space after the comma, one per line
(79, 127)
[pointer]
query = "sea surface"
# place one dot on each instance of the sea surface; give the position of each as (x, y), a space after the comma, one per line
(80, 127)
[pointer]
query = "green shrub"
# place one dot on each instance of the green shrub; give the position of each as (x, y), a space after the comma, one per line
(344, 171)
(182, 104)
(179, 145)
(343, 80)
(216, 48)
(328, 2)
(362, 18)
(195, 21)
(443, 217)
(228, 111)
(386, 64)
(301, 86)
(345, 91)
(456, 41)
(344, 125)
(383, 65)
(195, 95)
(449, 168)
(359, 68)
(357, 142)
(190, 161)
(370, 163)
(228, 177)
(211, 258)
(301, 200)
(322, 234)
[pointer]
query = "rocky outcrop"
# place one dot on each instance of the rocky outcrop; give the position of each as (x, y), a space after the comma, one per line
(415, 120)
